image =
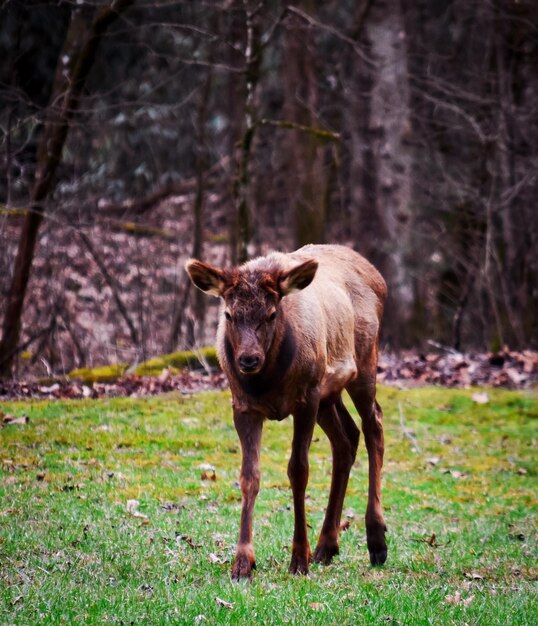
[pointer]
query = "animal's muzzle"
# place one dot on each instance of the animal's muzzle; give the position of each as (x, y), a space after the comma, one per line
(249, 363)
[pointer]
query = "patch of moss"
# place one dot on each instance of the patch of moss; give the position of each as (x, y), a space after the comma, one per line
(12, 212)
(220, 238)
(179, 360)
(104, 374)
(145, 230)
(153, 367)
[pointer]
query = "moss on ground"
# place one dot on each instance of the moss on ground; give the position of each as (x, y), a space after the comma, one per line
(204, 357)
(191, 359)
(102, 374)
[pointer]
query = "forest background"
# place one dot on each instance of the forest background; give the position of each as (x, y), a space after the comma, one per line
(137, 133)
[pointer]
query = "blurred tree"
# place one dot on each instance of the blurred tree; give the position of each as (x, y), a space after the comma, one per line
(72, 68)
(473, 146)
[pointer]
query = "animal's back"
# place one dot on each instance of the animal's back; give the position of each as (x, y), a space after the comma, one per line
(364, 288)
(340, 263)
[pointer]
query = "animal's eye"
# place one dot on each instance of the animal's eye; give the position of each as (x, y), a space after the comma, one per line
(271, 317)
(227, 316)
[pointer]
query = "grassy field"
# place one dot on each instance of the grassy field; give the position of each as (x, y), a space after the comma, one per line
(126, 511)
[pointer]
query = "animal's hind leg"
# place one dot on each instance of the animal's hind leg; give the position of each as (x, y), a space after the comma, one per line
(362, 392)
(343, 434)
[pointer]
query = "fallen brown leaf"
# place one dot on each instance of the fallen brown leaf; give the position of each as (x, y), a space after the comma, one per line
(455, 473)
(211, 475)
(458, 600)
(188, 541)
(480, 397)
(226, 605)
(73, 486)
(132, 508)
(516, 377)
(164, 375)
(8, 420)
(473, 576)
(213, 558)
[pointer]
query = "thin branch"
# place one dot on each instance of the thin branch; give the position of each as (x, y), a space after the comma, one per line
(112, 284)
(320, 133)
(405, 431)
(268, 37)
(459, 111)
(26, 344)
(139, 206)
(442, 348)
(180, 304)
(333, 31)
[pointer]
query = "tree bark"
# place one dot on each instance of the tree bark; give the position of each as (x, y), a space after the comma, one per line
(307, 176)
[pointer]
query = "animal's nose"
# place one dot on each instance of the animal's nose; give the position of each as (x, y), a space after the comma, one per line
(249, 362)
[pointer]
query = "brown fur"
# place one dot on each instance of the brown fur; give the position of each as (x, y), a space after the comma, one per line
(295, 331)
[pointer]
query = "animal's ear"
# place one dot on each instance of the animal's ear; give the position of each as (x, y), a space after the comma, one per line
(298, 277)
(206, 277)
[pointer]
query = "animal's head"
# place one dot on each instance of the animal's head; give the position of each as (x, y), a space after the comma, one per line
(251, 304)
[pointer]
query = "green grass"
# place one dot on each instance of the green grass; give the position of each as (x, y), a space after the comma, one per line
(72, 553)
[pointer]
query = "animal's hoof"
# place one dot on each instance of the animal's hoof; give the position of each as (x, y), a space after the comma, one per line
(324, 553)
(299, 563)
(377, 546)
(378, 557)
(242, 567)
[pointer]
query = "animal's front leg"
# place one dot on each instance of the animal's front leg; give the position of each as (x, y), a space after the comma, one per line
(249, 429)
(304, 420)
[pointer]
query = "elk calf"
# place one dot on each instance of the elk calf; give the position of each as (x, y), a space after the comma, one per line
(295, 331)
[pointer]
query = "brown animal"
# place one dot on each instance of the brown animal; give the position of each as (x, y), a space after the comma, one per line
(295, 331)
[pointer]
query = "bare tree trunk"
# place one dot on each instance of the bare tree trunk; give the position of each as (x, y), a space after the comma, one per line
(194, 320)
(241, 190)
(73, 67)
(371, 234)
(199, 299)
(307, 176)
(505, 157)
